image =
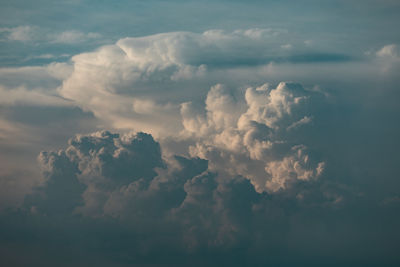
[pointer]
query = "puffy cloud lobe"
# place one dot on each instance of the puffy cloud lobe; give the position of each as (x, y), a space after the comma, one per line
(251, 142)
(292, 168)
(62, 191)
(275, 108)
(216, 211)
(101, 162)
(152, 200)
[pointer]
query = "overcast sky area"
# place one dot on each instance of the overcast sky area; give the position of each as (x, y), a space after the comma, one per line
(199, 133)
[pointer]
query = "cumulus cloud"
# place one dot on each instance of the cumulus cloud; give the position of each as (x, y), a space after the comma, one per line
(116, 175)
(101, 162)
(165, 85)
(183, 204)
(125, 177)
(131, 84)
(232, 153)
(119, 82)
(290, 169)
(237, 139)
(250, 139)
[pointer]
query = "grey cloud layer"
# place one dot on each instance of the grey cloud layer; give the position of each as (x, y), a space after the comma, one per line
(105, 175)
(121, 190)
(125, 177)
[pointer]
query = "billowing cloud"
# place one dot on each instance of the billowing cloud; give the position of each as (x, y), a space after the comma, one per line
(122, 83)
(125, 177)
(100, 163)
(185, 205)
(251, 138)
(144, 84)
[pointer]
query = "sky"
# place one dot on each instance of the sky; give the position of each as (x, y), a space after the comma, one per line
(199, 133)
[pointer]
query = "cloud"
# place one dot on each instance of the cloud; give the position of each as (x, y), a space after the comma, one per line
(236, 172)
(33, 85)
(40, 35)
(232, 157)
(125, 178)
(290, 169)
(388, 51)
(121, 190)
(120, 175)
(48, 76)
(93, 166)
(119, 82)
(141, 84)
(193, 90)
(250, 139)
(20, 33)
(124, 185)
(73, 37)
(388, 58)
(21, 95)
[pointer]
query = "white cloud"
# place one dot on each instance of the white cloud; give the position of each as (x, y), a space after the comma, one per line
(252, 142)
(20, 33)
(35, 76)
(291, 168)
(38, 35)
(389, 51)
(73, 37)
(165, 70)
(21, 95)
(388, 58)
(35, 85)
